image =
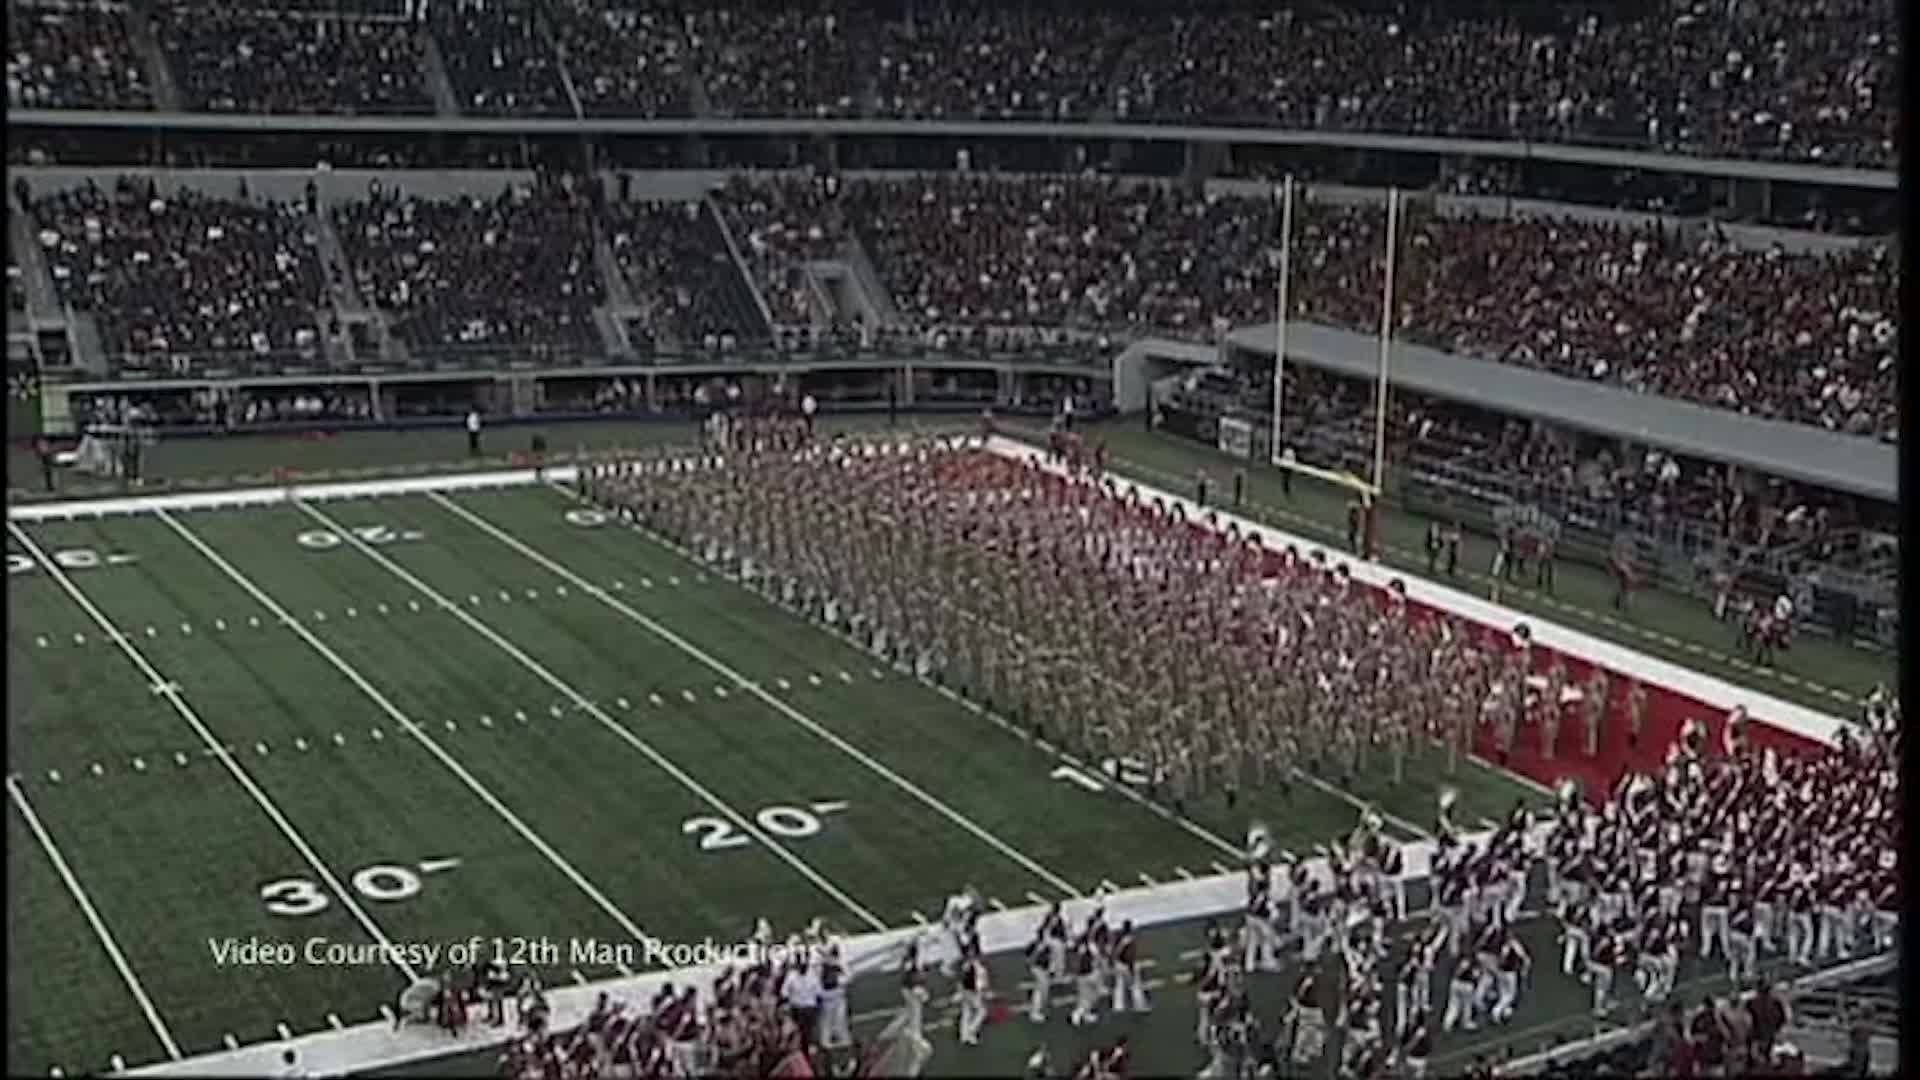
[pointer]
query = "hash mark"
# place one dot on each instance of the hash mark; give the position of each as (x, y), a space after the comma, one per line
(655, 699)
(79, 639)
(844, 677)
(382, 609)
(688, 694)
(451, 726)
(472, 600)
(353, 613)
(118, 1063)
(623, 969)
(1037, 898)
(333, 1021)
(179, 758)
(260, 748)
(376, 734)
(919, 918)
(151, 632)
(623, 703)
(299, 743)
(413, 605)
(253, 621)
(553, 711)
(186, 628)
(1219, 869)
(1182, 873)
(577, 977)
(994, 903)
(783, 684)
(671, 580)
(532, 594)
(720, 691)
(1145, 880)
(339, 739)
(234, 1044)
(876, 673)
(1109, 886)
(486, 721)
(520, 715)
(506, 597)
(284, 1031)
(619, 586)
(40, 641)
(646, 583)
(386, 1013)
(219, 624)
(139, 764)
(97, 770)
(814, 679)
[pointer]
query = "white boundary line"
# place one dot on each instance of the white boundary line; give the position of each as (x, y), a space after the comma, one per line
(580, 701)
(721, 668)
(1711, 690)
(165, 688)
(79, 892)
(472, 783)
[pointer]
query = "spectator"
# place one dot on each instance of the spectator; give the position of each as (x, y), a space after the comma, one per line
(73, 56)
(228, 60)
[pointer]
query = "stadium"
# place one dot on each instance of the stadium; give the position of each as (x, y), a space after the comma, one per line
(565, 539)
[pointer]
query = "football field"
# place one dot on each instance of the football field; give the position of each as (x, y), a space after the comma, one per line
(271, 762)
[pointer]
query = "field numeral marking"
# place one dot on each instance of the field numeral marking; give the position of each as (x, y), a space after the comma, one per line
(1074, 776)
(328, 539)
(386, 883)
(786, 822)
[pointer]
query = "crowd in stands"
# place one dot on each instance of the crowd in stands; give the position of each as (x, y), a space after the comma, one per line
(783, 61)
(780, 222)
(1803, 80)
(680, 275)
(73, 56)
(624, 62)
(241, 60)
(513, 269)
(186, 272)
(499, 59)
(1800, 337)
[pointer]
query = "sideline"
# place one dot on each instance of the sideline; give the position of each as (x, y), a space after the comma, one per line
(377, 1045)
(1703, 688)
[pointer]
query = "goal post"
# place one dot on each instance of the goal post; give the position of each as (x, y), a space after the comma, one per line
(1279, 452)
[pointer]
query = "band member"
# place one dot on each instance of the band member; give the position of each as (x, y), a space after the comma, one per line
(1086, 982)
(1514, 963)
(1129, 989)
(913, 996)
(1416, 1044)
(834, 1030)
(973, 997)
(1462, 990)
(1046, 961)
(1306, 1022)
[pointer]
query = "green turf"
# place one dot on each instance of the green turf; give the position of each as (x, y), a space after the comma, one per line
(522, 738)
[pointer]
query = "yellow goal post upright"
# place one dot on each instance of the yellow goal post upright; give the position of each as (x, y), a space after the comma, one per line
(1367, 488)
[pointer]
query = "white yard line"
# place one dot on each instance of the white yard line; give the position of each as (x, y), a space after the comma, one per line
(170, 691)
(94, 920)
(721, 668)
(744, 823)
(407, 724)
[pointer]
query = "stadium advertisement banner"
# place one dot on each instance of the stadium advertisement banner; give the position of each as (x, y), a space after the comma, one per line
(1236, 437)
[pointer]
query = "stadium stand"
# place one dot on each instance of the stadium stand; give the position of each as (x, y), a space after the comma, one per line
(500, 59)
(184, 273)
(782, 63)
(623, 61)
(465, 271)
(677, 267)
(228, 60)
(73, 56)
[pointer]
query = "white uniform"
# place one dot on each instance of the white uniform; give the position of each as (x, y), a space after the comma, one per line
(834, 1029)
(973, 1001)
(955, 920)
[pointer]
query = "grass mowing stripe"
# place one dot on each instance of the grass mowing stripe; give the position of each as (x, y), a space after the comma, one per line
(719, 667)
(93, 918)
(739, 820)
(472, 783)
(170, 691)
